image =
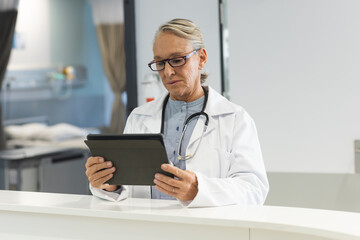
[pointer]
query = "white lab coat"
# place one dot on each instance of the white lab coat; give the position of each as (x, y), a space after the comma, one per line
(228, 164)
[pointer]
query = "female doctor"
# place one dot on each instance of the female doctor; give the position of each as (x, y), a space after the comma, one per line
(211, 142)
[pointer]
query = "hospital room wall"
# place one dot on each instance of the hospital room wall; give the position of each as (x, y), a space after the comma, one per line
(60, 33)
(294, 67)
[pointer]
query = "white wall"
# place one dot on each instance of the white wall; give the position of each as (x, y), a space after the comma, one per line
(340, 192)
(294, 65)
(149, 15)
(52, 32)
(33, 24)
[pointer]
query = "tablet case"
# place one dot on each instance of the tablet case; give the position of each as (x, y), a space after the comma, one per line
(136, 157)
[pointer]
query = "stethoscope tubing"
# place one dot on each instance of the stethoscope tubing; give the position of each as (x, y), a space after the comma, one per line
(202, 112)
(191, 117)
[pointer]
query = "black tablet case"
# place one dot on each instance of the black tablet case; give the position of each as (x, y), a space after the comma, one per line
(136, 157)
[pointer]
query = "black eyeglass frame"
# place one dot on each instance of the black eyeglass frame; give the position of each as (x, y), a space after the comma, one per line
(170, 59)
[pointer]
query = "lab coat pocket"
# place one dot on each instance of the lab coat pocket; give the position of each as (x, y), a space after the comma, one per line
(212, 162)
(224, 161)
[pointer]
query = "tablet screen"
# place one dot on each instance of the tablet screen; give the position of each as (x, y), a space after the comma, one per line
(136, 157)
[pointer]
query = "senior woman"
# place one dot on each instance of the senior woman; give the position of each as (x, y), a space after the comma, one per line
(216, 158)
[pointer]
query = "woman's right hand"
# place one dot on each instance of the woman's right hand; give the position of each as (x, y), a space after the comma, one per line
(98, 172)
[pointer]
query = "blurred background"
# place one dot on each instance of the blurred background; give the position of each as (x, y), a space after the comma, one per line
(73, 67)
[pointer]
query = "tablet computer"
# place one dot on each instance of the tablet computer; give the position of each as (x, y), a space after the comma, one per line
(136, 157)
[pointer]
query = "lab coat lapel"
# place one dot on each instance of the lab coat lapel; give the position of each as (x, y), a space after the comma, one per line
(153, 124)
(216, 105)
(153, 113)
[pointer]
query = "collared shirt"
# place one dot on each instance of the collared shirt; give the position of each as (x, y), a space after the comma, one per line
(176, 113)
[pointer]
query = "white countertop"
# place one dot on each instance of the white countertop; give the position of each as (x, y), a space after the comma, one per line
(325, 223)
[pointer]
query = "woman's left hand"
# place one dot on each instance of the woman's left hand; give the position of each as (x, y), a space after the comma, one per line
(184, 188)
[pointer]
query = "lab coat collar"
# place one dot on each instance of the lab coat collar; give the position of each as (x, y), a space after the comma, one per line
(152, 111)
(216, 105)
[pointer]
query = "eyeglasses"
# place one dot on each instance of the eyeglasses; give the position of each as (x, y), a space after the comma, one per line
(173, 62)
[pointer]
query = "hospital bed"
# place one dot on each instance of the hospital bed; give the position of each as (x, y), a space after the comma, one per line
(36, 132)
(44, 158)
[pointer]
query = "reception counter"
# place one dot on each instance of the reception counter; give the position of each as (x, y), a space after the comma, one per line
(32, 215)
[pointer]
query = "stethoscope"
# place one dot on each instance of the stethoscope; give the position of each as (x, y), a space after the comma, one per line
(191, 117)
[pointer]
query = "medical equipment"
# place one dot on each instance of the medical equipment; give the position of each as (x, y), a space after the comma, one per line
(38, 156)
(44, 169)
(152, 87)
(190, 118)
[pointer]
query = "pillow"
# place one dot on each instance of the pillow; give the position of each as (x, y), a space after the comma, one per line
(60, 132)
(25, 131)
(38, 131)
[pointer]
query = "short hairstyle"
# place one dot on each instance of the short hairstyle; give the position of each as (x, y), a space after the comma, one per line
(185, 28)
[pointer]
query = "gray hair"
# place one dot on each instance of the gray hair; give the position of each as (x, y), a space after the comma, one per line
(185, 28)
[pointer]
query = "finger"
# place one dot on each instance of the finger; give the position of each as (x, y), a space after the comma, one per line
(93, 160)
(110, 188)
(171, 193)
(98, 167)
(168, 180)
(176, 171)
(99, 183)
(164, 185)
(98, 175)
